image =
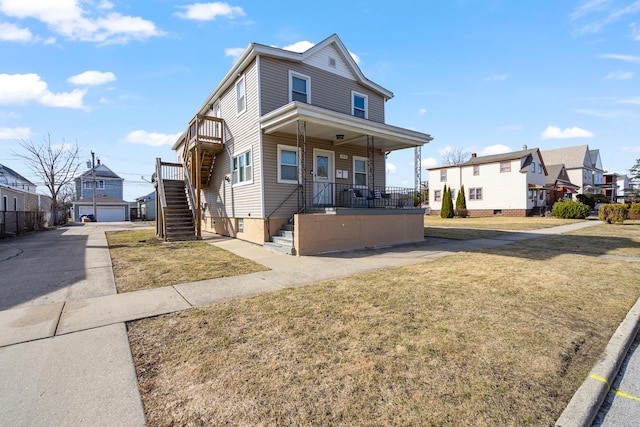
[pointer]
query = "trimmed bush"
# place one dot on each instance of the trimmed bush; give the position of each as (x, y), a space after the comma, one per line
(569, 209)
(461, 204)
(634, 211)
(613, 213)
(447, 203)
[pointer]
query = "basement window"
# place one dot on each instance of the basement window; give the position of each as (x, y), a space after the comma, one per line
(240, 225)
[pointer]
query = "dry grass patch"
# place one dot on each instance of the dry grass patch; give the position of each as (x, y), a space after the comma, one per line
(142, 261)
(609, 239)
(497, 338)
(497, 222)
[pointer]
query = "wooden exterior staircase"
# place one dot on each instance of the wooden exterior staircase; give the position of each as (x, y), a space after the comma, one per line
(179, 185)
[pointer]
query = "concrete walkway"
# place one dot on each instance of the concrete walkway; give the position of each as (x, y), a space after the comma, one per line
(64, 353)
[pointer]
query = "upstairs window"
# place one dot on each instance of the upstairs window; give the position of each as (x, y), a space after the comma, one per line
(505, 166)
(443, 175)
(299, 87)
(241, 97)
(287, 165)
(359, 105)
(242, 168)
(88, 185)
(539, 167)
(533, 167)
(360, 177)
(476, 170)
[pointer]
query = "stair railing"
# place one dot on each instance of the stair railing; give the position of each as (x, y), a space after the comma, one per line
(295, 190)
(161, 227)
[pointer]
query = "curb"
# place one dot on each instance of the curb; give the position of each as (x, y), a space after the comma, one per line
(587, 400)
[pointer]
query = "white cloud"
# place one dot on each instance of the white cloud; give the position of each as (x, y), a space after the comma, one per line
(299, 47)
(635, 101)
(497, 78)
(92, 78)
(13, 33)
(234, 52)
(15, 133)
(594, 15)
(554, 132)
(210, 11)
(619, 75)
(83, 21)
(627, 58)
(355, 57)
(603, 114)
(429, 162)
(495, 149)
(151, 138)
(635, 31)
(422, 111)
(19, 89)
(391, 168)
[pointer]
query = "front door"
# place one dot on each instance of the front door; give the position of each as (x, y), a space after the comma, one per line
(323, 162)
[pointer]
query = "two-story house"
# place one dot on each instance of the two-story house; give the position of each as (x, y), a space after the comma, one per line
(21, 207)
(583, 166)
(614, 187)
(109, 205)
(509, 184)
(291, 147)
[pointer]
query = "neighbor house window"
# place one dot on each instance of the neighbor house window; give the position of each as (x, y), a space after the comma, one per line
(453, 194)
(360, 171)
(539, 167)
(476, 170)
(299, 87)
(475, 193)
(287, 164)
(241, 96)
(437, 196)
(240, 225)
(359, 105)
(5, 203)
(242, 168)
(443, 175)
(505, 166)
(88, 185)
(533, 167)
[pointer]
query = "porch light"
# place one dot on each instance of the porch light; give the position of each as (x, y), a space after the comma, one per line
(339, 136)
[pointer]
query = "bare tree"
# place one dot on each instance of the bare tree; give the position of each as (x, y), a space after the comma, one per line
(454, 156)
(55, 165)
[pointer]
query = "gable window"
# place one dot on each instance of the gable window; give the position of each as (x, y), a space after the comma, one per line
(242, 168)
(476, 170)
(359, 105)
(475, 193)
(299, 87)
(539, 167)
(287, 164)
(443, 175)
(360, 177)
(88, 185)
(241, 96)
(533, 167)
(437, 196)
(505, 166)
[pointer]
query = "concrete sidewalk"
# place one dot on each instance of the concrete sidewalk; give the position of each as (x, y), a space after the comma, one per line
(64, 355)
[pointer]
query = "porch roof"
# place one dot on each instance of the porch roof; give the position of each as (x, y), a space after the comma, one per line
(326, 124)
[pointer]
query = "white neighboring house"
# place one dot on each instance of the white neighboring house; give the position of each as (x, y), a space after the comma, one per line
(615, 186)
(583, 166)
(509, 184)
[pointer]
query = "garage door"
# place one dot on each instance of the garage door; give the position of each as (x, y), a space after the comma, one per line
(105, 214)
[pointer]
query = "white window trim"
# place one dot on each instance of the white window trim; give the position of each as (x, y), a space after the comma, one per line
(476, 170)
(366, 171)
(288, 181)
(300, 76)
(441, 175)
(366, 103)
(88, 184)
(248, 181)
(474, 190)
(244, 82)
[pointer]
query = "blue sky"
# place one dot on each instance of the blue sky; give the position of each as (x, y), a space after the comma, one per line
(123, 78)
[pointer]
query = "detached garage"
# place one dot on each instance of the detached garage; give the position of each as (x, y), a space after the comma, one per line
(108, 209)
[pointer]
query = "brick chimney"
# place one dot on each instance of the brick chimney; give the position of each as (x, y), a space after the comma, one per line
(473, 155)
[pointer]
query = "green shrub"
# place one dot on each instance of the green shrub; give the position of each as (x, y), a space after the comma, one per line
(461, 204)
(634, 211)
(447, 203)
(592, 200)
(569, 209)
(613, 213)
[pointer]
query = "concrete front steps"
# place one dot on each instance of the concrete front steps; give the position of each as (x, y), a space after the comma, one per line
(282, 241)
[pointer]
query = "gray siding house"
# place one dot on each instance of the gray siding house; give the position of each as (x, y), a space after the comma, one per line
(289, 150)
(108, 195)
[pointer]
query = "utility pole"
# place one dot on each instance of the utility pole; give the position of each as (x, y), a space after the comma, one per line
(93, 173)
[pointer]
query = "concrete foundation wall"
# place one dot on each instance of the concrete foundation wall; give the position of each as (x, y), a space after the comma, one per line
(318, 233)
(254, 228)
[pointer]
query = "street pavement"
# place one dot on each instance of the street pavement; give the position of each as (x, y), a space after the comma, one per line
(64, 353)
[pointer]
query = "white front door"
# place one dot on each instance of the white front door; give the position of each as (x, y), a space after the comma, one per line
(323, 164)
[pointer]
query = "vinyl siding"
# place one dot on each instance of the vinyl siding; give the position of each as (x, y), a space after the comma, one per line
(328, 90)
(241, 133)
